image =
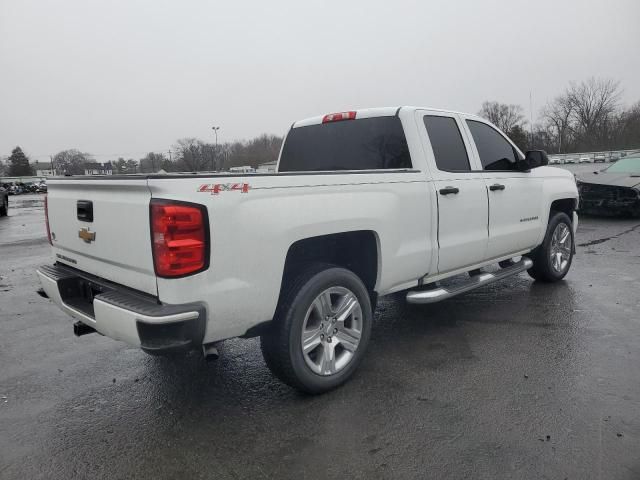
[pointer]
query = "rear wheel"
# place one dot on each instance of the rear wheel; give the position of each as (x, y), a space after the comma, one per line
(552, 259)
(320, 331)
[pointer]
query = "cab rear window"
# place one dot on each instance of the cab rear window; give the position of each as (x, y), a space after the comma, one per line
(365, 144)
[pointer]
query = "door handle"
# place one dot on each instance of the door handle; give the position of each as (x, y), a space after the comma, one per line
(448, 190)
(496, 186)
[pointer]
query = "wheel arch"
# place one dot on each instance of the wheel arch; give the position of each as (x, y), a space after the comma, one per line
(566, 205)
(358, 251)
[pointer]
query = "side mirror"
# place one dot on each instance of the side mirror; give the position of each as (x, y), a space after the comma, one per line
(535, 159)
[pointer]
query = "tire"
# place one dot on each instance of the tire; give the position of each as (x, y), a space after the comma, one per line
(547, 265)
(4, 209)
(301, 309)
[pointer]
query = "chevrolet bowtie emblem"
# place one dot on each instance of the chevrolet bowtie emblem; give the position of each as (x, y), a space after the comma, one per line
(86, 235)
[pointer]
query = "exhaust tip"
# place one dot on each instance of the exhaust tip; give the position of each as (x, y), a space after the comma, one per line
(80, 329)
(210, 352)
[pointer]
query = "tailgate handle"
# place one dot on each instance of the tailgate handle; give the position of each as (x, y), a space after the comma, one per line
(85, 210)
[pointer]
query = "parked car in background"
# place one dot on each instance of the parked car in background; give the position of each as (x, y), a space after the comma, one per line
(615, 156)
(614, 190)
(584, 160)
(30, 187)
(570, 160)
(363, 204)
(42, 187)
(599, 158)
(4, 202)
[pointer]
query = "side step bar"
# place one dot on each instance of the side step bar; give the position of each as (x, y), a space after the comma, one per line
(437, 294)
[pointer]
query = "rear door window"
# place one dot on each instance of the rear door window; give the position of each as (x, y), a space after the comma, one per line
(496, 153)
(447, 144)
(361, 144)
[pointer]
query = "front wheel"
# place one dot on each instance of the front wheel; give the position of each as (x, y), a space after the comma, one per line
(320, 331)
(552, 259)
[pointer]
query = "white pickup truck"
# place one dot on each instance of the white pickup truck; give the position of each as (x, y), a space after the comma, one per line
(363, 204)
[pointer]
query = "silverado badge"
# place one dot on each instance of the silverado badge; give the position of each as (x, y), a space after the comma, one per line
(86, 235)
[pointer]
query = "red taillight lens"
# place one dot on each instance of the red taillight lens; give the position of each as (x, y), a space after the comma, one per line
(338, 117)
(179, 238)
(46, 218)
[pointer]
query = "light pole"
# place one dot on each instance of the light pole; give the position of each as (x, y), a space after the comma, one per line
(215, 150)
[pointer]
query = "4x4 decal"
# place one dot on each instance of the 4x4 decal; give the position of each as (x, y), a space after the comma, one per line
(216, 188)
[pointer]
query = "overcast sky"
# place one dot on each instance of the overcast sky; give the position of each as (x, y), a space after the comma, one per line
(122, 78)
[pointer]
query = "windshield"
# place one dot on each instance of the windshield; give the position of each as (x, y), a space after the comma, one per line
(626, 165)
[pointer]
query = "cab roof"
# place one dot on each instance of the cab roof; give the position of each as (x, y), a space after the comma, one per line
(363, 113)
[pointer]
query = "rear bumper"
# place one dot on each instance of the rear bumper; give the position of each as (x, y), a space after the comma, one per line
(124, 314)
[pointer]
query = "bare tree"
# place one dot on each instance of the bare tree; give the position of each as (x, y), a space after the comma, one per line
(503, 116)
(557, 114)
(594, 103)
(627, 127)
(71, 162)
(192, 154)
(152, 162)
(131, 166)
(261, 149)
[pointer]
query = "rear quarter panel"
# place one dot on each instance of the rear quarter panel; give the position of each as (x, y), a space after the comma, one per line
(252, 232)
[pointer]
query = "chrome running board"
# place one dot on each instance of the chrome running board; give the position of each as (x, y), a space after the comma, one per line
(475, 281)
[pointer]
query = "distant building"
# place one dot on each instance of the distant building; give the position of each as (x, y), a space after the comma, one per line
(267, 167)
(243, 169)
(98, 169)
(43, 169)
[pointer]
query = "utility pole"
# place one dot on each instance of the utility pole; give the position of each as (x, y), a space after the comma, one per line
(215, 150)
(560, 148)
(531, 117)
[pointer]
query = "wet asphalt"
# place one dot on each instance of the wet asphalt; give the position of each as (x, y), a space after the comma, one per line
(516, 380)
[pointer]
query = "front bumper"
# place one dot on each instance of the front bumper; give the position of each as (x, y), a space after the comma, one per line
(610, 207)
(599, 199)
(124, 314)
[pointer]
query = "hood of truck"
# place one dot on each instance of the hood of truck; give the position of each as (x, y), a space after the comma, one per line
(116, 243)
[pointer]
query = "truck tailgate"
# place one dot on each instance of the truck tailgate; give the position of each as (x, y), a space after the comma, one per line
(101, 226)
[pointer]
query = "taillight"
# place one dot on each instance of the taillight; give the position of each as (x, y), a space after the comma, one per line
(46, 217)
(338, 117)
(179, 238)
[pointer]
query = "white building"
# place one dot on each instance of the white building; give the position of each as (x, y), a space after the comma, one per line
(98, 169)
(243, 169)
(43, 169)
(267, 167)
